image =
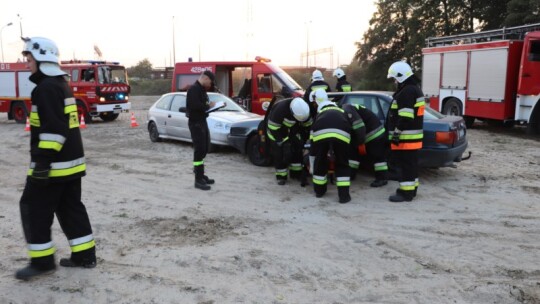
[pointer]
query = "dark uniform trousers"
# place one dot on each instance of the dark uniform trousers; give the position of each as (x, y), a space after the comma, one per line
(320, 149)
(408, 160)
(377, 152)
(38, 205)
(200, 138)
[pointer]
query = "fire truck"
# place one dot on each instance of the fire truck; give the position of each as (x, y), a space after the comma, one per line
(100, 88)
(253, 84)
(491, 75)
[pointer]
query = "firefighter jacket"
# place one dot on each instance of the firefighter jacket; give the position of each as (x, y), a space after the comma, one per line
(374, 127)
(55, 138)
(197, 103)
(343, 85)
(314, 86)
(333, 122)
(407, 115)
(282, 124)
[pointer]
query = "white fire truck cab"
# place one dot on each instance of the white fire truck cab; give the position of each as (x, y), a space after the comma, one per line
(492, 75)
(253, 84)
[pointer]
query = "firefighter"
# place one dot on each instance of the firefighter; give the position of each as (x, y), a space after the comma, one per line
(317, 82)
(288, 129)
(331, 133)
(53, 184)
(197, 104)
(405, 125)
(374, 147)
(342, 84)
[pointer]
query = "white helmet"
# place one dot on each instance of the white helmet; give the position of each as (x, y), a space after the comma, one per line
(318, 96)
(299, 109)
(400, 70)
(46, 53)
(338, 73)
(317, 75)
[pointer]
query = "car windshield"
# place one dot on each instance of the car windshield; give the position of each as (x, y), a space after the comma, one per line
(230, 106)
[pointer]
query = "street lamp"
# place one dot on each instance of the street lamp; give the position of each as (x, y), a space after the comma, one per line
(307, 42)
(1, 42)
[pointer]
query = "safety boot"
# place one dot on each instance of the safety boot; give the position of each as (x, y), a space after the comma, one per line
(344, 196)
(201, 184)
(400, 196)
(208, 180)
(83, 263)
(378, 183)
(37, 267)
(200, 181)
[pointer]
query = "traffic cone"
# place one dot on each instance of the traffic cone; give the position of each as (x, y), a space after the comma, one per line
(133, 121)
(27, 127)
(82, 125)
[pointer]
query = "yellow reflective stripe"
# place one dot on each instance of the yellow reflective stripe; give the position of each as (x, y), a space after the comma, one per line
(69, 109)
(354, 164)
(34, 119)
(343, 183)
(419, 104)
(41, 253)
(288, 123)
(346, 88)
(332, 108)
(319, 87)
(295, 167)
(394, 105)
(374, 134)
(383, 166)
(332, 135)
(406, 114)
(270, 135)
(273, 125)
(84, 246)
(407, 186)
(198, 163)
(358, 124)
(73, 120)
(319, 180)
(67, 172)
(411, 136)
(50, 145)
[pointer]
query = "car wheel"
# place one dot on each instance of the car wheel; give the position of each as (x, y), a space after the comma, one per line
(153, 132)
(452, 107)
(256, 153)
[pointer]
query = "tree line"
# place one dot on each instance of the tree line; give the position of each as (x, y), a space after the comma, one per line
(399, 28)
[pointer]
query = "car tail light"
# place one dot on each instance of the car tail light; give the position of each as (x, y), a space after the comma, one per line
(447, 138)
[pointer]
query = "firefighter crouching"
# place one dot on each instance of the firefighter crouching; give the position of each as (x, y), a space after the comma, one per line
(375, 147)
(53, 184)
(288, 129)
(331, 132)
(405, 125)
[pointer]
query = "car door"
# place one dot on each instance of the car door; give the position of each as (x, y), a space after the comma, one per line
(370, 102)
(160, 113)
(177, 122)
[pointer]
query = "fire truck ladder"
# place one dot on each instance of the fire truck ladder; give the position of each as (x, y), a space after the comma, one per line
(517, 32)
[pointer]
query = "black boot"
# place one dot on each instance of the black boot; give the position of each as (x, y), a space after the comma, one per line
(208, 180)
(83, 259)
(200, 182)
(37, 267)
(344, 196)
(400, 196)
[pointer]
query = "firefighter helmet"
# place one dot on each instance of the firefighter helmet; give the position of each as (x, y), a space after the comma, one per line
(400, 70)
(338, 73)
(317, 75)
(46, 53)
(318, 96)
(299, 109)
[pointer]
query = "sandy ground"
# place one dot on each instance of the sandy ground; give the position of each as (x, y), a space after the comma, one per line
(471, 236)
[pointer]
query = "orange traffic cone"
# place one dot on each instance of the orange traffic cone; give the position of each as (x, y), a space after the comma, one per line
(133, 121)
(27, 127)
(82, 125)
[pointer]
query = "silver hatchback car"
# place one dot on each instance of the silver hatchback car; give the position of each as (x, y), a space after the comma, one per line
(167, 118)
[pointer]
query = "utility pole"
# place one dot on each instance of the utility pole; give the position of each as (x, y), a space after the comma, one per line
(173, 43)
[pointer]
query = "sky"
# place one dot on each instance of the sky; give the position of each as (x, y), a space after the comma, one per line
(208, 30)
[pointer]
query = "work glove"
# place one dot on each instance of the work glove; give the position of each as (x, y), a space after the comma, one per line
(395, 137)
(40, 174)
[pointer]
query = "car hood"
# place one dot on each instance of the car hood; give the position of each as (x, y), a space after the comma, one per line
(230, 116)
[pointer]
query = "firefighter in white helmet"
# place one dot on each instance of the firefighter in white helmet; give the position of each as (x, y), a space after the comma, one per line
(331, 133)
(342, 84)
(405, 129)
(288, 127)
(317, 82)
(53, 184)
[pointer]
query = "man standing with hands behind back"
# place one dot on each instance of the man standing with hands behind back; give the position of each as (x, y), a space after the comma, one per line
(197, 103)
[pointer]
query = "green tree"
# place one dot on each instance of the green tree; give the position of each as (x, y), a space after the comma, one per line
(522, 12)
(142, 70)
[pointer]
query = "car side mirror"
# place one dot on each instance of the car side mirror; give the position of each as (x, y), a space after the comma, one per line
(182, 109)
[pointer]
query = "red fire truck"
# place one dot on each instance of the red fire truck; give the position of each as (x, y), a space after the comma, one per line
(252, 84)
(492, 75)
(100, 88)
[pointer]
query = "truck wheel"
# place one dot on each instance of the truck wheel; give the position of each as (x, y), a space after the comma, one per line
(453, 107)
(19, 112)
(153, 132)
(255, 153)
(108, 116)
(469, 121)
(82, 110)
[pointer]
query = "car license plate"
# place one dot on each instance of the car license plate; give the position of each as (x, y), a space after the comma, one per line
(117, 111)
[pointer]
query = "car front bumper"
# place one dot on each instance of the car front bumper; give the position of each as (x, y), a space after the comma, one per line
(238, 142)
